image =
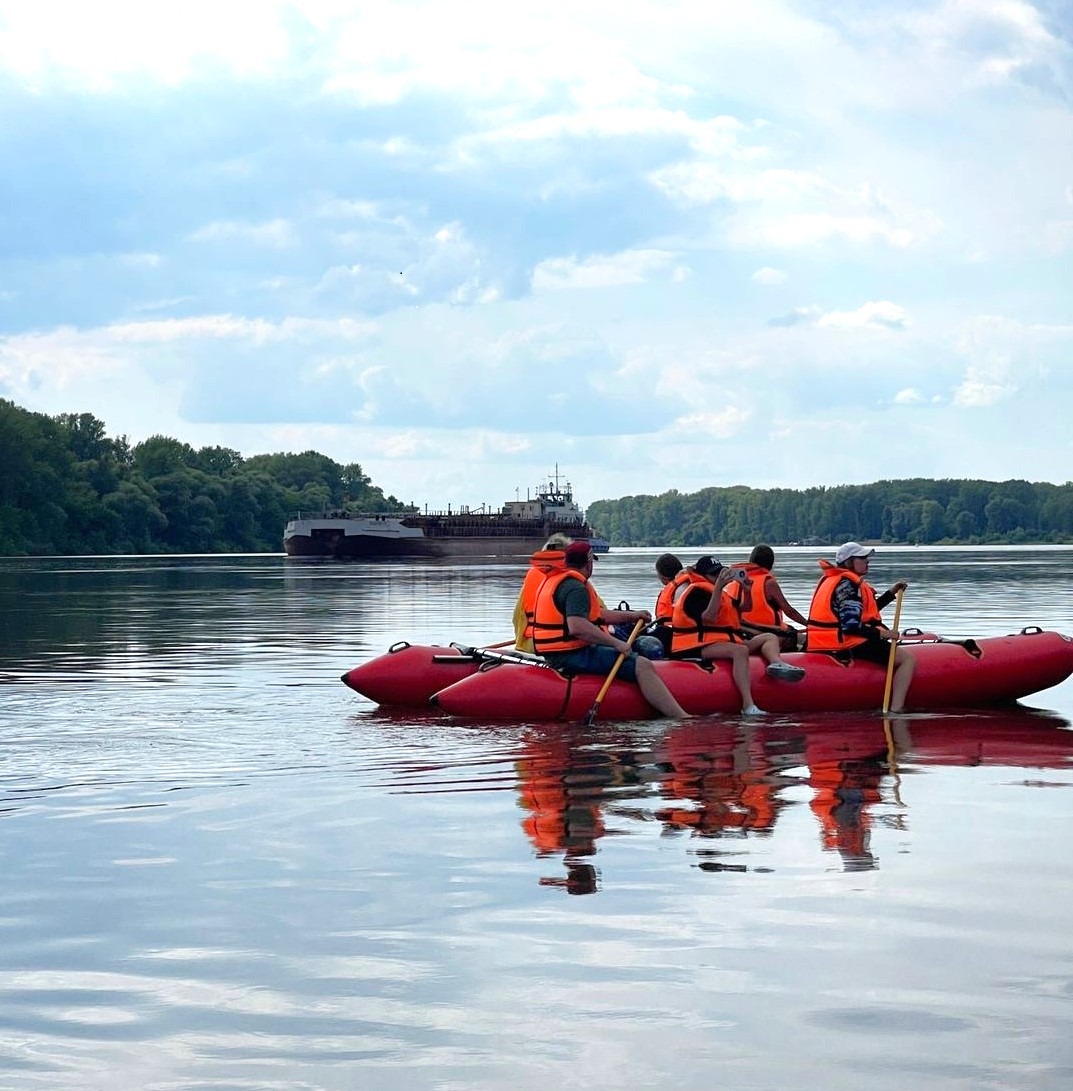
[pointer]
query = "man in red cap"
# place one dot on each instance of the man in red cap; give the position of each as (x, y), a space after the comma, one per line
(567, 633)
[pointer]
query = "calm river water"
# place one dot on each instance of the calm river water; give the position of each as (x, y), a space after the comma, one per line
(222, 869)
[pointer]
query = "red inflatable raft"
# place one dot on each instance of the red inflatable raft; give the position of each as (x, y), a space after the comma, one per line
(506, 686)
(409, 674)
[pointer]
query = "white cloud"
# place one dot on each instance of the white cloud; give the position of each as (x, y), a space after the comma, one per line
(410, 265)
(601, 270)
(806, 229)
(513, 158)
(991, 41)
(791, 208)
(768, 276)
(58, 357)
(278, 233)
(31, 361)
(141, 261)
(799, 316)
(976, 393)
(1006, 358)
(700, 427)
(879, 315)
(702, 182)
(1057, 236)
(96, 44)
(216, 326)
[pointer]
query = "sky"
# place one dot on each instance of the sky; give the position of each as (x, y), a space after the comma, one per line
(659, 246)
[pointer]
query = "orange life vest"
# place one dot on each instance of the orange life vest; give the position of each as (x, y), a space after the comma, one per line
(824, 631)
(550, 630)
(541, 564)
(665, 599)
(761, 616)
(688, 634)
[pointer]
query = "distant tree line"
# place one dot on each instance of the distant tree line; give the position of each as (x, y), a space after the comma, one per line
(66, 487)
(915, 511)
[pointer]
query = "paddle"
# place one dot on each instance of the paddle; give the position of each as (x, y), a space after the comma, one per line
(893, 651)
(489, 656)
(914, 636)
(590, 716)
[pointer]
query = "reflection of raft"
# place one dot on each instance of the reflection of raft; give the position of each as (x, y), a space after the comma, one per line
(1016, 736)
(488, 685)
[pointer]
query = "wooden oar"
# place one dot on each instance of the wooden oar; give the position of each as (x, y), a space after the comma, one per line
(893, 651)
(590, 716)
(501, 644)
(892, 761)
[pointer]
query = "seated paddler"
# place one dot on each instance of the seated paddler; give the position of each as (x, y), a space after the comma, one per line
(706, 625)
(845, 620)
(567, 630)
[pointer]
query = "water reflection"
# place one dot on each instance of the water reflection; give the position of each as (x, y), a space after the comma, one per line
(223, 869)
(725, 785)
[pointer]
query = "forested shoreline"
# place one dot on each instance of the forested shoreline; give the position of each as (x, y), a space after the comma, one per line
(916, 511)
(66, 487)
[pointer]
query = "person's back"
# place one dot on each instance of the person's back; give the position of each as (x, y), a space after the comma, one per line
(543, 563)
(670, 571)
(668, 568)
(767, 608)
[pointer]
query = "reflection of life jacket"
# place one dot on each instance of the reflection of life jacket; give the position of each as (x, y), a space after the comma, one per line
(562, 787)
(550, 630)
(824, 631)
(562, 817)
(761, 615)
(541, 564)
(687, 633)
(733, 784)
(843, 791)
(665, 599)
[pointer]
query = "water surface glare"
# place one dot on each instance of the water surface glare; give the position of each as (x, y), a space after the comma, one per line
(225, 870)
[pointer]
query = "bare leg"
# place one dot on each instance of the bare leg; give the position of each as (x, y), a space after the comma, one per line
(766, 645)
(739, 667)
(655, 691)
(904, 665)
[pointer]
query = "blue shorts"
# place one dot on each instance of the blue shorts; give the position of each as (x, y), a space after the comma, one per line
(594, 659)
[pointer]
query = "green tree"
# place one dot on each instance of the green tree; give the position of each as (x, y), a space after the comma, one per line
(161, 455)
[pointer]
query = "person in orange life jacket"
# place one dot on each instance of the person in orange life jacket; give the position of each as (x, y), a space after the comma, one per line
(845, 619)
(706, 621)
(567, 633)
(769, 605)
(541, 564)
(669, 569)
(655, 641)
